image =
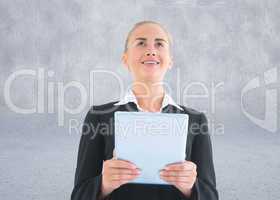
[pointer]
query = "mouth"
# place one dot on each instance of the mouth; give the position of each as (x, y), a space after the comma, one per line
(150, 62)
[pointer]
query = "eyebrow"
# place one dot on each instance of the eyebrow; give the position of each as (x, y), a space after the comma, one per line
(157, 39)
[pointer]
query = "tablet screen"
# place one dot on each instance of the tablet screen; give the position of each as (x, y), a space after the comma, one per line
(151, 141)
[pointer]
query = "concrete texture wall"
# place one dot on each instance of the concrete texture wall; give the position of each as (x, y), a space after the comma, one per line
(227, 51)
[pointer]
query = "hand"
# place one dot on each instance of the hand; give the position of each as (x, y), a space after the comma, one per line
(116, 173)
(182, 175)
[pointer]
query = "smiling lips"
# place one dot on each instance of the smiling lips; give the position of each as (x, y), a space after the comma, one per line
(154, 62)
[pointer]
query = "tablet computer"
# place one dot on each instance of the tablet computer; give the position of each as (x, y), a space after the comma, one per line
(151, 141)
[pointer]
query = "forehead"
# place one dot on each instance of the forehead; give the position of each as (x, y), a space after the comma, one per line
(148, 31)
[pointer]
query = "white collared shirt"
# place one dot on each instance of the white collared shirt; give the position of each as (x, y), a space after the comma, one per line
(130, 97)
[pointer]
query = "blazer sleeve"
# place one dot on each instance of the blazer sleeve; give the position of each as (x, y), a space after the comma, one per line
(88, 176)
(205, 185)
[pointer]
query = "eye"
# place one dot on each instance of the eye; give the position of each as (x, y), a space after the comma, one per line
(141, 43)
(160, 44)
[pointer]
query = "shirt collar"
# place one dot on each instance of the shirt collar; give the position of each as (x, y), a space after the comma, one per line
(130, 97)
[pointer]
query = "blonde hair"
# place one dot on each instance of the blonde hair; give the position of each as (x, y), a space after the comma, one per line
(142, 23)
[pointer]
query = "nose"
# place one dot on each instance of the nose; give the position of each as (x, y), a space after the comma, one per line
(150, 53)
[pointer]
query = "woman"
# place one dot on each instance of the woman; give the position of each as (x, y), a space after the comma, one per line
(100, 176)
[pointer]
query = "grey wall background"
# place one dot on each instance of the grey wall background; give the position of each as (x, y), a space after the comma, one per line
(231, 42)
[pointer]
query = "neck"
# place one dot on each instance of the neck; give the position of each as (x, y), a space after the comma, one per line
(149, 95)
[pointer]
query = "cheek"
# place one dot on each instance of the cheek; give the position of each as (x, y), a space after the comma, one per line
(134, 56)
(165, 53)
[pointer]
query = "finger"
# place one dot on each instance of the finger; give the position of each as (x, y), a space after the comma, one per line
(123, 177)
(118, 183)
(185, 162)
(124, 171)
(181, 184)
(175, 179)
(181, 166)
(121, 164)
(184, 173)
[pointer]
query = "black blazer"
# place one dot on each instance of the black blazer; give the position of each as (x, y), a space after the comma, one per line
(97, 144)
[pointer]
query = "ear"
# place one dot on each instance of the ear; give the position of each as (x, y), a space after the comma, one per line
(124, 61)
